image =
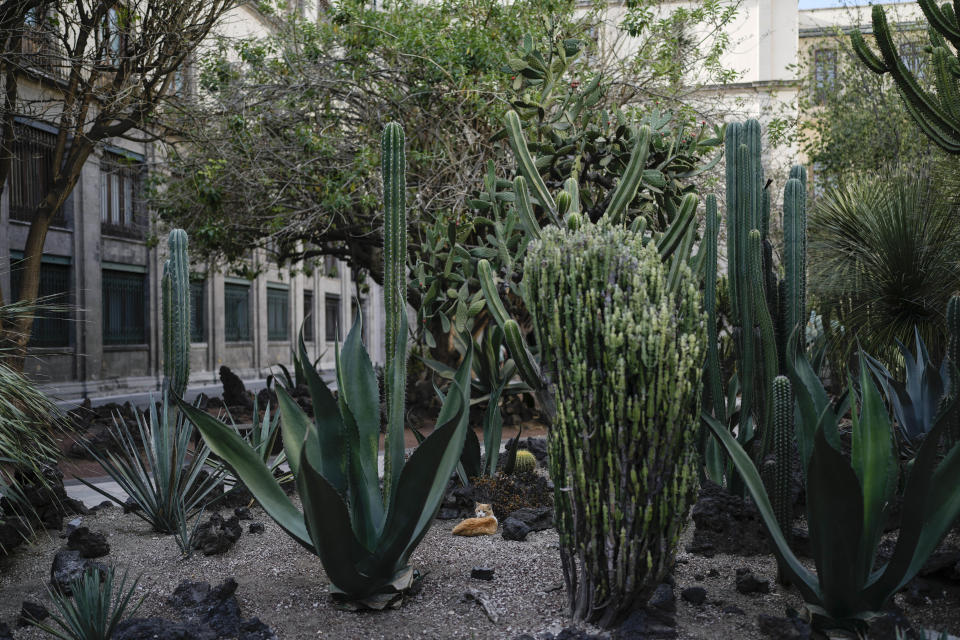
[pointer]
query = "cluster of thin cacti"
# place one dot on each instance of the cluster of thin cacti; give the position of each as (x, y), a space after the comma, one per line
(175, 289)
(626, 354)
(768, 311)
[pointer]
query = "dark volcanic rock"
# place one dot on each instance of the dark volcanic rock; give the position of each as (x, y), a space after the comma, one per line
(242, 513)
(748, 583)
(643, 625)
(14, 530)
(90, 544)
(536, 446)
(5, 633)
(694, 595)
(893, 625)
(156, 628)
(783, 628)
(31, 612)
(217, 535)
(725, 523)
(481, 573)
(216, 609)
(256, 527)
(69, 565)
(234, 392)
(663, 599)
(536, 518)
(513, 529)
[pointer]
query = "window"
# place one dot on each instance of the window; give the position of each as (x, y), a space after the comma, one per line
(112, 33)
(330, 267)
(236, 303)
(913, 56)
(331, 318)
(51, 328)
(124, 307)
(198, 310)
(31, 172)
(308, 316)
(120, 194)
(278, 313)
(824, 72)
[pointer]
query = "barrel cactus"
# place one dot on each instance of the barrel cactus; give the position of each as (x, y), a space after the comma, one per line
(526, 462)
(625, 353)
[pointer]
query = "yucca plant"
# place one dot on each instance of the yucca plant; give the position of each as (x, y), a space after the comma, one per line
(169, 478)
(885, 259)
(95, 609)
(848, 499)
(363, 536)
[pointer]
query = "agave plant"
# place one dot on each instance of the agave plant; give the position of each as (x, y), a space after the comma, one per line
(363, 536)
(170, 480)
(848, 498)
(916, 400)
(95, 609)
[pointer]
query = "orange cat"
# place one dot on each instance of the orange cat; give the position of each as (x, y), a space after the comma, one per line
(485, 524)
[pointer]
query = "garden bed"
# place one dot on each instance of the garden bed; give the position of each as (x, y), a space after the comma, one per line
(284, 586)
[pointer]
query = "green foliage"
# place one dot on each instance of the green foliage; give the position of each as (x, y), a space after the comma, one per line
(175, 286)
(765, 308)
(525, 462)
(95, 609)
(847, 500)
(625, 353)
(884, 253)
(364, 537)
(914, 402)
(168, 479)
(937, 113)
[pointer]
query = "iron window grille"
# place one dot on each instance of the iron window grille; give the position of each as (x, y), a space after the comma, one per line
(198, 309)
(125, 306)
(32, 173)
(236, 302)
(308, 316)
(331, 320)
(278, 313)
(51, 327)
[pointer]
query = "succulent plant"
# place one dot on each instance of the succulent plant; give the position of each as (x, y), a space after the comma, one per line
(175, 288)
(363, 536)
(624, 351)
(526, 462)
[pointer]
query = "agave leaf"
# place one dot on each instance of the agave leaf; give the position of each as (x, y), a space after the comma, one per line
(812, 401)
(874, 461)
(835, 521)
(492, 430)
(366, 505)
(929, 509)
(470, 459)
(423, 480)
(360, 391)
(394, 440)
(332, 538)
(797, 574)
(246, 464)
(330, 428)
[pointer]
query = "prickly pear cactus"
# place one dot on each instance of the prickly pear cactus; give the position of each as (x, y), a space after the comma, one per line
(625, 354)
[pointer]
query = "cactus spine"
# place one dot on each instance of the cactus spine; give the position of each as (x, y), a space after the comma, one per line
(783, 447)
(175, 291)
(626, 355)
(525, 462)
(393, 167)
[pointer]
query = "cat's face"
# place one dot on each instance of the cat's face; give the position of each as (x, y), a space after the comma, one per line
(483, 510)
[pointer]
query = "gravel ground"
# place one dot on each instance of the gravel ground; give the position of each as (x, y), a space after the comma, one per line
(285, 586)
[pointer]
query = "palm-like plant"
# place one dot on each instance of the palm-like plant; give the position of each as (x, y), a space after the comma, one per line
(885, 256)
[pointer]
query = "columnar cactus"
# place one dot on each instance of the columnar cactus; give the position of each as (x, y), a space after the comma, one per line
(783, 448)
(626, 354)
(765, 310)
(175, 290)
(953, 355)
(393, 167)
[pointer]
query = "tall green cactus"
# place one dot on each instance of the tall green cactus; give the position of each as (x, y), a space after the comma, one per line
(783, 449)
(393, 167)
(625, 352)
(953, 355)
(765, 308)
(937, 114)
(175, 291)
